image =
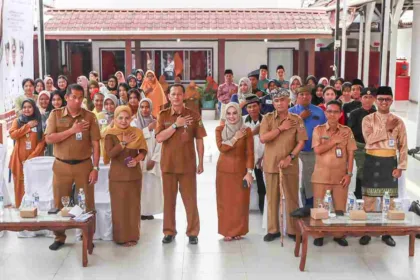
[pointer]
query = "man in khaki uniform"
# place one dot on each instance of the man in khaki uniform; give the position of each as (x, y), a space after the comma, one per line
(284, 135)
(334, 147)
(177, 127)
(75, 134)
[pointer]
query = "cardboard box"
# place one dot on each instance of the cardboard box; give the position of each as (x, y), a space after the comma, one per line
(396, 215)
(357, 215)
(65, 212)
(319, 213)
(28, 212)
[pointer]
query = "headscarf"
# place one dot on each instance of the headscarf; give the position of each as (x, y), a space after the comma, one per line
(139, 82)
(52, 94)
(242, 96)
(52, 82)
(138, 144)
(230, 129)
(43, 85)
(142, 122)
(157, 95)
(164, 83)
(130, 77)
(122, 80)
(116, 84)
(95, 90)
(43, 92)
(36, 115)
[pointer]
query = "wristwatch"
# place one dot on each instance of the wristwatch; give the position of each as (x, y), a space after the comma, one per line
(96, 168)
(292, 156)
(250, 170)
(350, 174)
(174, 126)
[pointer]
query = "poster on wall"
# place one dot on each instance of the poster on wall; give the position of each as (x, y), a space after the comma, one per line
(16, 61)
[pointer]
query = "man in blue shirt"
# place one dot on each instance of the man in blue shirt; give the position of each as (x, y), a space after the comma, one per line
(312, 116)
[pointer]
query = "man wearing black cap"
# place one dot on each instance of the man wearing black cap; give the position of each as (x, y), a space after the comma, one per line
(254, 77)
(385, 137)
(356, 88)
(280, 77)
(225, 92)
(355, 123)
(253, 121)
(263, 82)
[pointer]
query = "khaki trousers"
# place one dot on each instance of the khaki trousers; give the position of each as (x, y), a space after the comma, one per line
(339, 195)
(291, 189)
(188, 188)
(64, 175)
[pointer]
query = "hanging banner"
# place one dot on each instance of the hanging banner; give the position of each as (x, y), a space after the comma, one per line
(16, 55)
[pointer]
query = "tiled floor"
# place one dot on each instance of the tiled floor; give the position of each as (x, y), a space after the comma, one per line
(213, 259)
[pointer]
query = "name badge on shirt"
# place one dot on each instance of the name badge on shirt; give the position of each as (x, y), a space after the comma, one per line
(79, 136)
(391, 142)
(33, 129)
(268, 101)
(338, 152)
(28, 145)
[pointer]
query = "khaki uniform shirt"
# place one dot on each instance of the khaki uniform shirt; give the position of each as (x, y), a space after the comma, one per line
(280, 147)
(330, 168)
(74, 147)
(178, 152)
(377, 138)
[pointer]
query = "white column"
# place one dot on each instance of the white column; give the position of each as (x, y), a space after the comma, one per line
(385, 41)
(395, 18)
(370, 8)
(415, 64)
(360, 55)
(344, 40)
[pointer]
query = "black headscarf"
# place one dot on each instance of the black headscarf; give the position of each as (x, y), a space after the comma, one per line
(116, 83)
(128, 81)
(22, 120)
(50, 107)
(39, 81)
(315, 99)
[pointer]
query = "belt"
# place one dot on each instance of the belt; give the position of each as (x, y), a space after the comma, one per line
(72, 161)
(382, 153)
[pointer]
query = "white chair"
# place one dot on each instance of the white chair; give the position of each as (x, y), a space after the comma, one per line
(103, 205)
(38, 179)
(3, 183)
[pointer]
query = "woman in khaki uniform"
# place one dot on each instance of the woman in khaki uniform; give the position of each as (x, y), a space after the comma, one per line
(235, 165)
(27, 132)
(126, 147)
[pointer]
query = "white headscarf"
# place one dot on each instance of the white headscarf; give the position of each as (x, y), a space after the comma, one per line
(242, 96)
(230, 129)
(142, 122)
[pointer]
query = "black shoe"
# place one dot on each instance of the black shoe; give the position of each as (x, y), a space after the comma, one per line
(193, 240)
(341, 241)
(56, 245)
(388, 240)
(271, 236)
(168, 239)
(142, 217)
(418, 236)
(364, 240)
(319, 242)
(150, 217)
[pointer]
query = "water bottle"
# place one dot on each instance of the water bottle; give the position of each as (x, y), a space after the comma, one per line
(1, 204)
(36, 199)
(328, 203)
(386, 202)
(81, 198)
(351, 201)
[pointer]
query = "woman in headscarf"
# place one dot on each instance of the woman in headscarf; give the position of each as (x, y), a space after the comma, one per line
(234, 174)
(153, 90)
(27, 131)
(56, 101)
(295, 83)
(317, 92)
(125, 147)
(28, 86)
(244, 90)
(323, 81)
(49, 84)
(123, 89)
(87, 101)
(152, 192)
(164, 84)
(134, 97)
(120, 77)
(132, 82)
(39, 86)
(311, 81)
(192, 98)
(62, 84)
(139, 76)
(112, 85)
(42, 104)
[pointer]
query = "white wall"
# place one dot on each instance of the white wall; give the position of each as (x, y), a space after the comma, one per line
(245, 56)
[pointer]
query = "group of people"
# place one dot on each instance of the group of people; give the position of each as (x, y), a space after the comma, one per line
(150, 132)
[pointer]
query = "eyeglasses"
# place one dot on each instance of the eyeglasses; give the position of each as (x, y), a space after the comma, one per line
(333, 112)
(380, 99)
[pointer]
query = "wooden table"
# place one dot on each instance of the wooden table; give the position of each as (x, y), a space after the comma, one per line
(11, 221)
(317, 228)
